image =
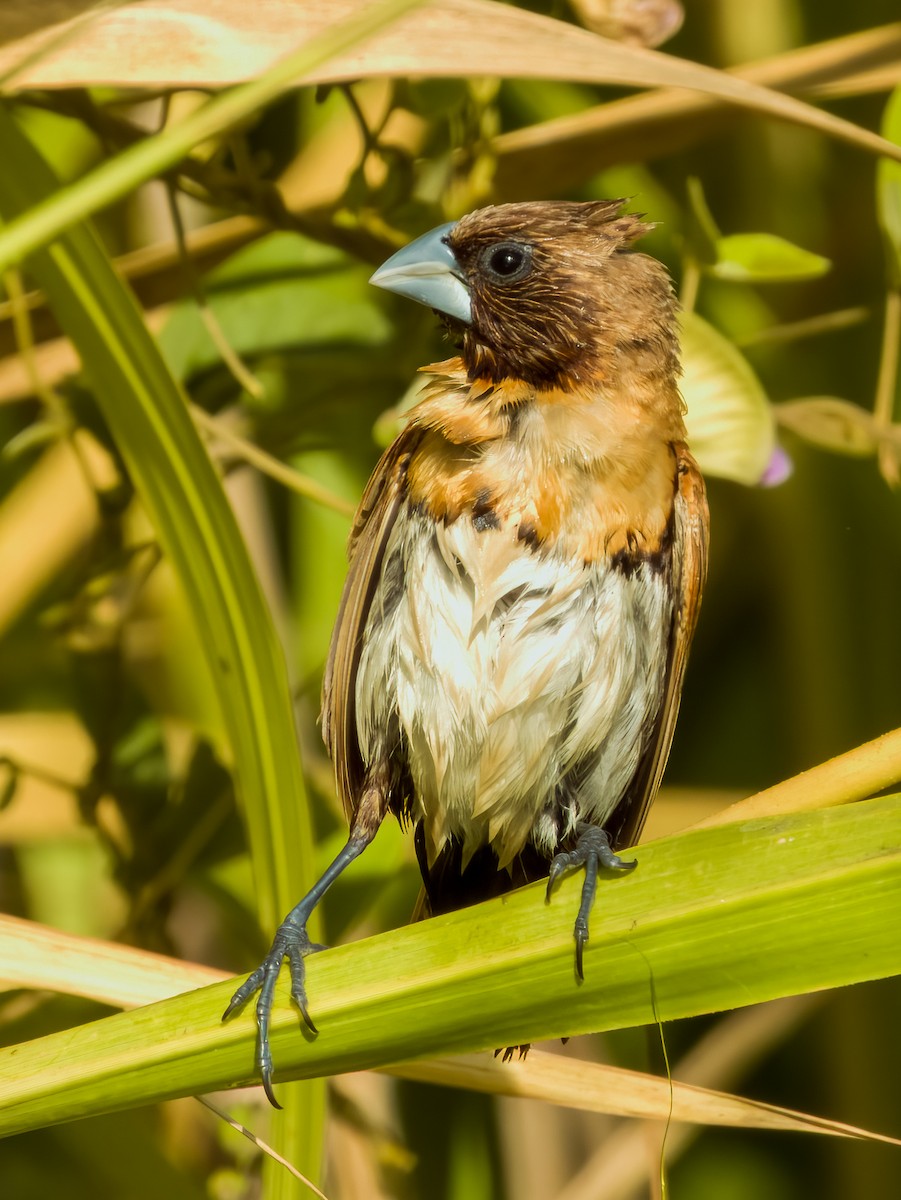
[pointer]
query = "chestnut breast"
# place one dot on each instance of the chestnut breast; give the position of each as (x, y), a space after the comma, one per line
(572, 474)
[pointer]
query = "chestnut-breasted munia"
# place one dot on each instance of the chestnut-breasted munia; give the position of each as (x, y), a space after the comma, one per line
(526, 569)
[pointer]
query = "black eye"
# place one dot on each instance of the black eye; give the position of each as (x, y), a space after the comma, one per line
(507, 261)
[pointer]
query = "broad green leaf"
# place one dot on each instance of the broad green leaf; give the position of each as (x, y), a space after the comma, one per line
(888, 189)
(283, 290)
(729, 419)
(764, 258)
(36, 956)
(711, 919)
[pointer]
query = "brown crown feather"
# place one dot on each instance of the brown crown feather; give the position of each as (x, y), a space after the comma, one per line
(584, 301)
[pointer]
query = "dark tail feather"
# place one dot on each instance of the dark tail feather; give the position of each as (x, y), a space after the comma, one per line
(448, 887)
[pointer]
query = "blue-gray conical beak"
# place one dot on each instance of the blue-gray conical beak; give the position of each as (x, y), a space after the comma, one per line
(427, 270)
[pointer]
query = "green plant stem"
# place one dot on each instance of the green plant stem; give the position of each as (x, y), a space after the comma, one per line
(887, 385)
(691, 281)
(303, 485)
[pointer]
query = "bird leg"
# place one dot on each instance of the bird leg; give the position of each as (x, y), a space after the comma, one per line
(592, 849)
(292, 941)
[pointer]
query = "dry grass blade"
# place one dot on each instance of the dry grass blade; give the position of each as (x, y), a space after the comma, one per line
(219, 430)
(55, 498)
(878, 79)
(595, 1087)
(36, 956)
(230, 41)
(739, 1041)
(155, 272)
(565, 151)
(257, 1141)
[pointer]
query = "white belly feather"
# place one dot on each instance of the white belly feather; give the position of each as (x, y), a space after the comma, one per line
(509, 669)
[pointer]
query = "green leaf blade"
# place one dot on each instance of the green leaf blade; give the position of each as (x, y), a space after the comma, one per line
(711, 919)
(184, 498)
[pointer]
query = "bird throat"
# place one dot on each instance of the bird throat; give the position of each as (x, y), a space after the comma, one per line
(584, 473)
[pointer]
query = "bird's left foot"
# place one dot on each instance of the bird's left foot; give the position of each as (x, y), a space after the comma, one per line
(593, 850)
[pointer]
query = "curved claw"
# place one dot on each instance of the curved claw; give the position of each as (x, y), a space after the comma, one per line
(621, 864)
(581, 939)
(245, 991)
(558, 865)
(264, 1064)
(298, 981)
(291, 940)
(270, 1094)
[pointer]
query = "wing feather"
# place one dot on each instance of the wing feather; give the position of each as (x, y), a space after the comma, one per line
(689, 571)
(372, 527)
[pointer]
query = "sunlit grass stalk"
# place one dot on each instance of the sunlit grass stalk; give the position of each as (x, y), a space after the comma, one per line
(887, 385)
(851, 776)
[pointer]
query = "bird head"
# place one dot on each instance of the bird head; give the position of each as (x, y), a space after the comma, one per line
(543, 292)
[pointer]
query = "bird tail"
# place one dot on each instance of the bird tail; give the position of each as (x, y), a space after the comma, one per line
(447, 885)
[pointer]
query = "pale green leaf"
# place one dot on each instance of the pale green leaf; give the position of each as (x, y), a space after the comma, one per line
(729, 419)
(831, 423)
(764, 258)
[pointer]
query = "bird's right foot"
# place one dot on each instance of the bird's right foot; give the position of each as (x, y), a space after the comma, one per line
(592, 850)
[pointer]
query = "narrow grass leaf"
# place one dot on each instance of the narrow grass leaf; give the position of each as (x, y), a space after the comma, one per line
(183, 495)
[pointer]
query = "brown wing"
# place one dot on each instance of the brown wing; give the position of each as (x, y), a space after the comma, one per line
(689, 571)
(372, 527)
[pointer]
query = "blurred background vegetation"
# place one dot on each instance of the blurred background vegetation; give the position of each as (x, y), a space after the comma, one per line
(251, 261)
